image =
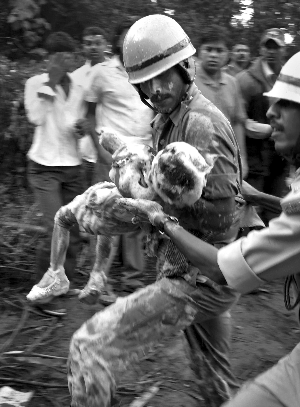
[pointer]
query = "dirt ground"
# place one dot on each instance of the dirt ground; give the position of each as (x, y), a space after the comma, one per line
(263, 331)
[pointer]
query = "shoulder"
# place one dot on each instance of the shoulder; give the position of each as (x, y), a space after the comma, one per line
(34, 83)
(244, 78)
(231, 84)
(248, 83)
(203, 110)
(37, 80)
(98, 70)
(228, 78)
(206, 126)
(79, 70)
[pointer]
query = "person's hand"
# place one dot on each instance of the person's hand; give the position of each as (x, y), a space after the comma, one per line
(142, 210)
(81, 128)
(56, 69)
(249, 192)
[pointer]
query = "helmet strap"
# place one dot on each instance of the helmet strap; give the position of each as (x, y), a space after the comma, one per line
(148, 104)
(144, 98)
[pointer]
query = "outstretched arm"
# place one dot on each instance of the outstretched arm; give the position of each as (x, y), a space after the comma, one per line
(255, 197)
(245, 264)
(201, 254)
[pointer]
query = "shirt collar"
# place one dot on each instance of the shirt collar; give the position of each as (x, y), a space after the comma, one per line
(176, 115)
(207, 80)
(115, 62)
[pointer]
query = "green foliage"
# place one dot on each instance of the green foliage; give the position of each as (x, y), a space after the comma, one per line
(25, 22)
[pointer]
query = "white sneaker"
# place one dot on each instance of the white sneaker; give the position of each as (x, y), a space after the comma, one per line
(50, 286)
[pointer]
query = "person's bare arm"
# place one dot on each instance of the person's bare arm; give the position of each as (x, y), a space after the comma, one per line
(201, 254)
(255, 197)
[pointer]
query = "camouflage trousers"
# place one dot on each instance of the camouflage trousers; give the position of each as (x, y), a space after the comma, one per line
(105, 345)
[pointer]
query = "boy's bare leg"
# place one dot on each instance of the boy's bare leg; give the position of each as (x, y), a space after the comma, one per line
(106, 249)
(55, 281)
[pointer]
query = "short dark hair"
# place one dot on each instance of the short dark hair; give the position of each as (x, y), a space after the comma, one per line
(93, 31)
(215, 33)
(59, 42)
(125, 24)
(242, 42)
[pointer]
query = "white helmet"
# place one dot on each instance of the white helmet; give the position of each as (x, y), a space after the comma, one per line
(153, 45)
(287, 85)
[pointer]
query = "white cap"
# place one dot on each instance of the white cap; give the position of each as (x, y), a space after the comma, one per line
(287, 85)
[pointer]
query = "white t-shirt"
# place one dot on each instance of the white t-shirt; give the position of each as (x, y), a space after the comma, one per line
(121, 107)
(53, 143)
(87, 148)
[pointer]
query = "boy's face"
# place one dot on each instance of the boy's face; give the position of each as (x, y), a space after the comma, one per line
(213, 56)
(65, 60)
(241, 54)
(272, 53)
(94, 47)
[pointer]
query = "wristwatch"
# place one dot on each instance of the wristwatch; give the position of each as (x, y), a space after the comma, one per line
(167, 218)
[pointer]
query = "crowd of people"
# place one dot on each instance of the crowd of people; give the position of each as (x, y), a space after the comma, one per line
(155, 91)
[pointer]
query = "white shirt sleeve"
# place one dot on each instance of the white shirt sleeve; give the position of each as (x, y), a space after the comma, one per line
(37, 107)
(94, 88)
(263, 255)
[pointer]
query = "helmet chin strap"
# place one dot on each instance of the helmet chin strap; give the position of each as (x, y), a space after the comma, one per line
(144, 98)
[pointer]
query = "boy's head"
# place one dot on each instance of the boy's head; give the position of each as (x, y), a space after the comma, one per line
(94, 44)
(213, 49)
(61, 43)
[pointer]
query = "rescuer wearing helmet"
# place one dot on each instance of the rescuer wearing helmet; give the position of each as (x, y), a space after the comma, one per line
(264, 255)
(158, 59)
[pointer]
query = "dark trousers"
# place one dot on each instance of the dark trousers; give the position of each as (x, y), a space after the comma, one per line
(54, 187)
(88, 170)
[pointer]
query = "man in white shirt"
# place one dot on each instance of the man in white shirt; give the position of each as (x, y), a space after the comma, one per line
(53, 103)
(114, 103)
(94, 46)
